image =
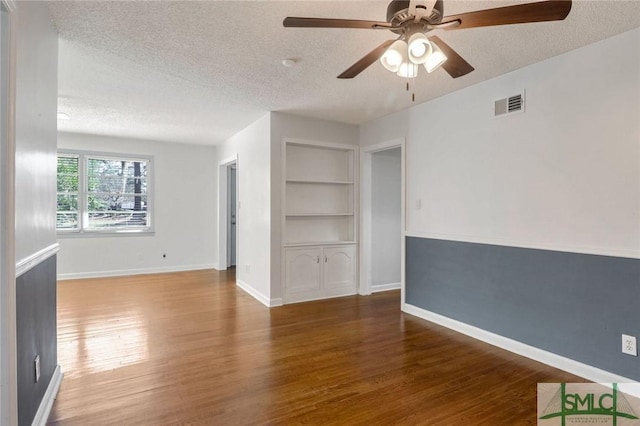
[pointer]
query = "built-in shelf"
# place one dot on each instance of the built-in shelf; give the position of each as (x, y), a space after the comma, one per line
(323, 182)
(317, 214)
(319, 220)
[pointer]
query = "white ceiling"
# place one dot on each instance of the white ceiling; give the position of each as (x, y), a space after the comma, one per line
(198, 72)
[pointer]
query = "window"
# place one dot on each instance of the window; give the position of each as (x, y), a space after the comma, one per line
(103, 193)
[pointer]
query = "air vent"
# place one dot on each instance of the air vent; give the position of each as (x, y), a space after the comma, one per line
(509, 105)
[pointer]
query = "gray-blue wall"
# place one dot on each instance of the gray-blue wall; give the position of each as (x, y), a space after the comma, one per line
(36, 335)
(574, 305)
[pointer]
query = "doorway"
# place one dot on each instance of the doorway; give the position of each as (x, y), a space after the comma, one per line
(228, 225)
(383, 224)
(232, 219)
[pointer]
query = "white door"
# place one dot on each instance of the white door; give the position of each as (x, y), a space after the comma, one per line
(339, 266)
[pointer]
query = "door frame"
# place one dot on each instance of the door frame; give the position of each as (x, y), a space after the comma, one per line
(366, 159)
(223, 208)
(8, 361)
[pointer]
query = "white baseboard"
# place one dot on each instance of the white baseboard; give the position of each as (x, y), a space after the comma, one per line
(562, 363)
(269, 303)
(125, 272)
(42, 415)
(385, 287)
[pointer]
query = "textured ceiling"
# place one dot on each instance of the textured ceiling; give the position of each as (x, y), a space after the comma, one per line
(198, 72)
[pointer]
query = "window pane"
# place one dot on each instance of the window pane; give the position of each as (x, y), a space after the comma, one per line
(117, 177)
(67, 202)
(67, 216)
(67, 220)
(112, 193)
(116, 202)
(68, 165)
(111, 219)
(67, 183)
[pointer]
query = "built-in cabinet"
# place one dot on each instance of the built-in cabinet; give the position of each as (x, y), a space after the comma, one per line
(319, 220)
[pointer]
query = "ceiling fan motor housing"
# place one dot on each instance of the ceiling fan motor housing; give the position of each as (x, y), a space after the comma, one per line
(398, 12)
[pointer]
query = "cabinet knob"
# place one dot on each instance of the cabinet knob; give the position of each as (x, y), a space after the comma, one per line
(317, 259)
(325, 259)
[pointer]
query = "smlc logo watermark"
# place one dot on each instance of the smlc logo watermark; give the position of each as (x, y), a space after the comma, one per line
(564, 404)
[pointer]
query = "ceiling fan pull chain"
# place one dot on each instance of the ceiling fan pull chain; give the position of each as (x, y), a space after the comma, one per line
(413, 92)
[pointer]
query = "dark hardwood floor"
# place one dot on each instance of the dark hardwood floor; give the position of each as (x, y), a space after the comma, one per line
(192, 348)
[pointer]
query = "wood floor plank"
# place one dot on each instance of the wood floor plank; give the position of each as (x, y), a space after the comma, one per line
(191, 348)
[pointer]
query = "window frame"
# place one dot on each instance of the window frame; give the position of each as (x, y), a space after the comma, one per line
(83, 195)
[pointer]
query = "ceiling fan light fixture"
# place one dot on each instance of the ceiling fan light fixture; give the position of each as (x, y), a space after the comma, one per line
(408, 70)
(435, 60)
(394, 56)
(419, 48)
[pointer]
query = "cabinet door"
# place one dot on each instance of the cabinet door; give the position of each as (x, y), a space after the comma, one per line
(339, 270)
(302, 271)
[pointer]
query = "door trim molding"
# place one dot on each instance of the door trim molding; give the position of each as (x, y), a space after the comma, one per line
(366, 158)
(8, 361)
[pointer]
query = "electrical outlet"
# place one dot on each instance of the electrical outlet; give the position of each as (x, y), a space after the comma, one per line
(629, 346)
(36, 367)
(247, 268)
(418, 204)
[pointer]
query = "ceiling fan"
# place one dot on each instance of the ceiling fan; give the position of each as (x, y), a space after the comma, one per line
(413, 19)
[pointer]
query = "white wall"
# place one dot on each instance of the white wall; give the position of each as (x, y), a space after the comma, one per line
(564, 175)
(384, 129)
(296, 127)
(252, 147)
(36, 106)
(24, 332)
(185, 213)
(386, 215)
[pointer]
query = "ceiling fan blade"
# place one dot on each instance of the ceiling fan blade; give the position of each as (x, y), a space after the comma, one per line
(296, 22)
(552, 10)
(367, 60)
(455, 64)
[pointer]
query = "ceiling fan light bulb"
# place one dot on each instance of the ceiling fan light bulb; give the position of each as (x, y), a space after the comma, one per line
(408, 70)
(419, 48)
(435, 60)
(393, 57)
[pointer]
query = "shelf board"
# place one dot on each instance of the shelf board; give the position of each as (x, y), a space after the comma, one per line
(321, 181)
(317, 214)
(320, 243)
